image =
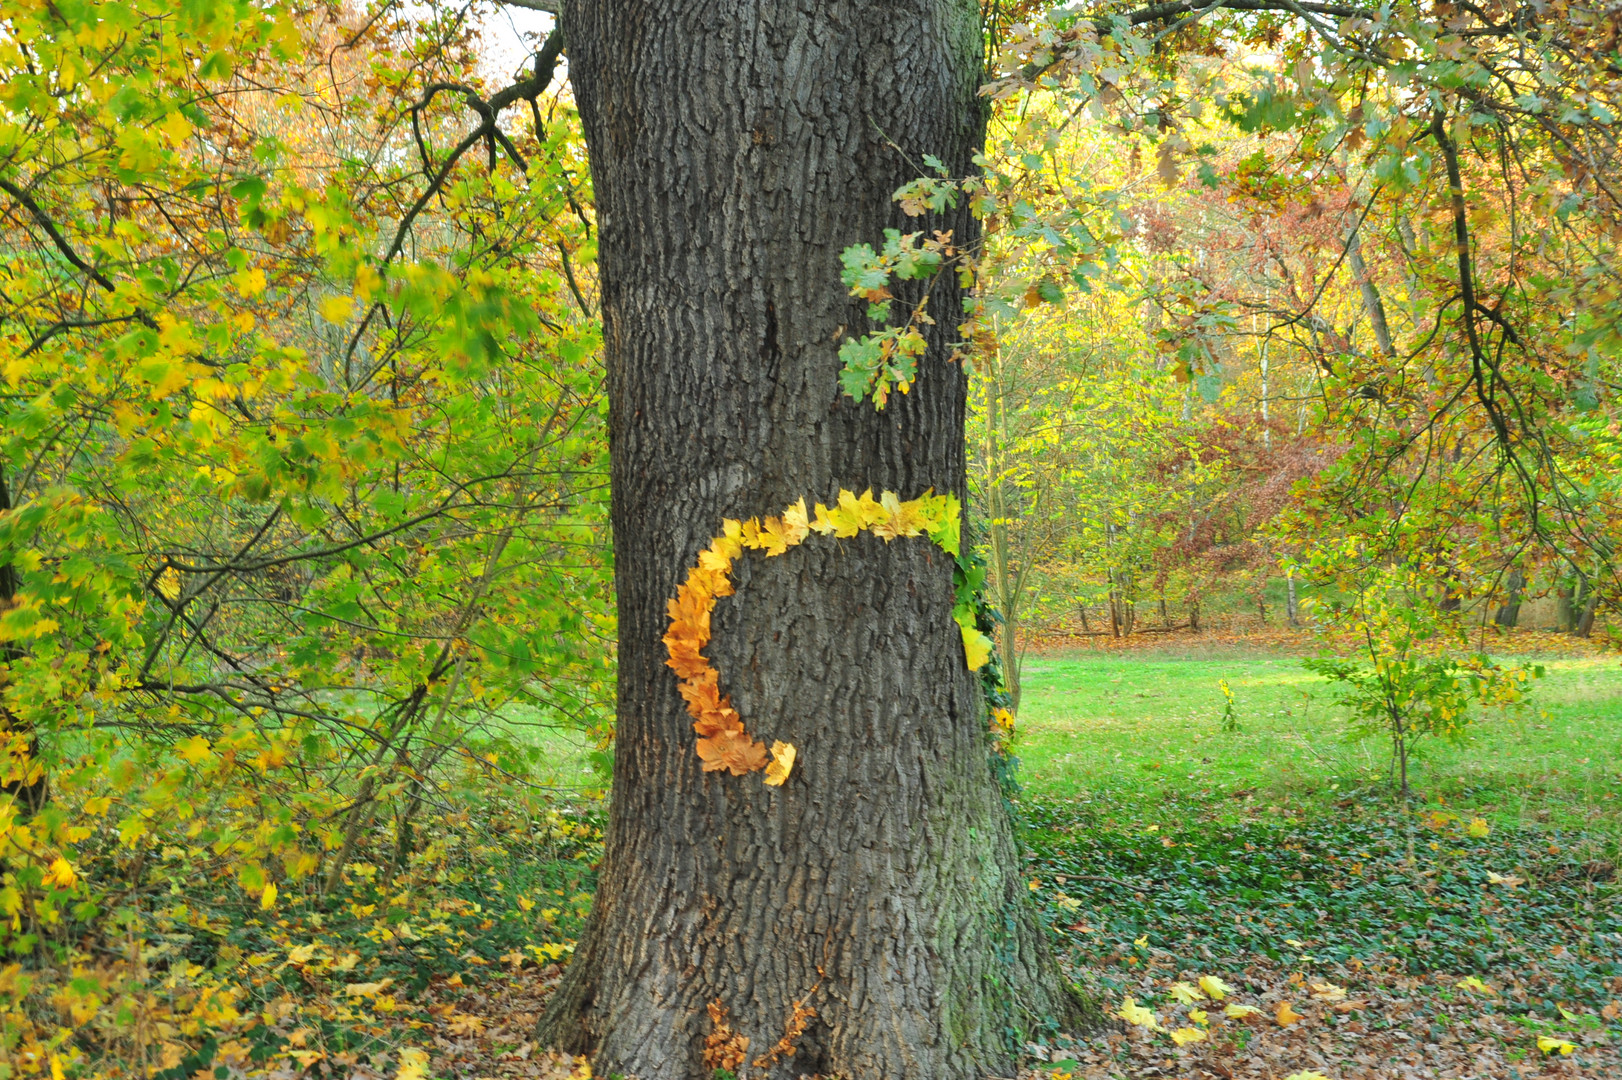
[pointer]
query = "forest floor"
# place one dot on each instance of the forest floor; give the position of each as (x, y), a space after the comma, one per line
(1475, 933)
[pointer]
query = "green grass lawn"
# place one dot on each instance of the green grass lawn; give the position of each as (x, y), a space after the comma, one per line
(1158, 842)
(1139, 736)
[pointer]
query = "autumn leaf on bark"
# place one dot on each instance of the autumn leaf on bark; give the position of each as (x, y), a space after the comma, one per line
(782, 763)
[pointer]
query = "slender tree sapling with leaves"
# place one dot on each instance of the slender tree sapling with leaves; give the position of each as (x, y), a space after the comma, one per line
(1407, 687)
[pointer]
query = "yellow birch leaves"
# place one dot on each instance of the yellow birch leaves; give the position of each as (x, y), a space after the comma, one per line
(723, 742)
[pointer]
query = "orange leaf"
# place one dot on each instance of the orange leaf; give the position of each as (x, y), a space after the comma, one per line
(707, 584)
(745, 755)
(1286, 1015)
(733, 751)
(685, 658)
(710, 752)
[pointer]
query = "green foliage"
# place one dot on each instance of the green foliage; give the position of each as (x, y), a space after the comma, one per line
(303, 448)
(1403, 688)
(1329, 890)
(1229, 720)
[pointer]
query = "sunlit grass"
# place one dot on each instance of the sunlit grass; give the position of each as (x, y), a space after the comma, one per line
(1139, 735)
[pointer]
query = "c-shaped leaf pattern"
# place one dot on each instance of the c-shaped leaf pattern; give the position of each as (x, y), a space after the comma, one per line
(723, 742)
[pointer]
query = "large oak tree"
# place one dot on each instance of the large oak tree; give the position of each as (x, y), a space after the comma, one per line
(736, 148)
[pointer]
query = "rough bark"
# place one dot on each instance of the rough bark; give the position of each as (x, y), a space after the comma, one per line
(736, 148)
(1509, 612)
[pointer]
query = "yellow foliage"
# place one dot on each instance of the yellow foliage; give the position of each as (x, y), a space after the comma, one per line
(1137, 1015)
(1285, 1015)
(1183, 992)
(723, 743)
(1550, 1045)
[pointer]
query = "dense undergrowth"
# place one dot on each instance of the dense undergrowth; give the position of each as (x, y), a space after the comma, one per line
(1401, 905)
(174, 970)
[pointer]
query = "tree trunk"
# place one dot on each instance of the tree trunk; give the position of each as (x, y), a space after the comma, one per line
(1509, 612)
(736, 149)
(1585, 621)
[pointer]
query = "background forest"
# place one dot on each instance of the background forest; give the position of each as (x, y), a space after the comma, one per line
(1295, 336)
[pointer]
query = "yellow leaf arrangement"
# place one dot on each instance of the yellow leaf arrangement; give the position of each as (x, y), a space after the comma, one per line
(723, 742)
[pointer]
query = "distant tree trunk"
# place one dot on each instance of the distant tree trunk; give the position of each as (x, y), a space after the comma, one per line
(1114, 605)
(1292, 609)
(1509, 612)
(736, 148)
(1373, 306)
(1564, 617)
(1084, 627)
(1585, 621)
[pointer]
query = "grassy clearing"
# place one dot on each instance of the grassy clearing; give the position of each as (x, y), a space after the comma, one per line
(1161, 846)
(1138, 735)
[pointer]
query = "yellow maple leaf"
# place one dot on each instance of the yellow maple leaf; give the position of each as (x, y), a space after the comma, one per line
(845, 519)
(250, 281)
(976, 648)
(716, 560)
(168, 583)
(466, 1024)
(871, 510)
(1323, 991)
(1137, 1015)
(773, 537)
(1286, 1016)
(367, 989)
(1239, 1012)
(61, 874)
(1478, 828)
(414, 1064)
(267, 899)
(900, 519)
(1307, 1074)
(795, 522)
(1550, 1045)
(196, 750)
(1199, 1016)
(1183, 992)
(337, 309)
(1185, 1035)
(749, 534)
(783, 755)
(1472, 982)
(177, 127)
(1215, 987)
